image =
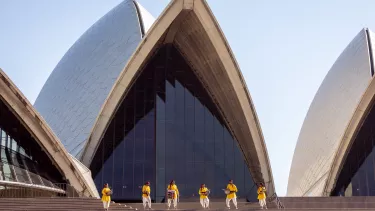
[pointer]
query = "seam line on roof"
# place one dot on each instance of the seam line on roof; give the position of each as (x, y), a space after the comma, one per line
(140, 19)
(370, 52)
(315, 183)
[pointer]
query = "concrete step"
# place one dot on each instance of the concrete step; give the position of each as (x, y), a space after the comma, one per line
(197, 206)
(91, 204)
(329, 202)
(329, 199)
(57, 204)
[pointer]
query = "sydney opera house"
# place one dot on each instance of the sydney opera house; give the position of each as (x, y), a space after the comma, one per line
(335, 154)
(137, 99)
(32, 157)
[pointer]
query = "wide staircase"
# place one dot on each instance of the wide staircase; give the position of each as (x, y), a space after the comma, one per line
(289, 203)
(57, 204)
(92, 204)
(329, 203)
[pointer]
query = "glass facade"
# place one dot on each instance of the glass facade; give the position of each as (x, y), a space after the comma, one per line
(357, 178)
(168, 128)
(21, 158)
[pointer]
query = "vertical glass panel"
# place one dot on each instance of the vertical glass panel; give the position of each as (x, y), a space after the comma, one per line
(7, 172)
(117, 185)
(148, 174)
(239, 174)
(138, 179)
(9, 142)
(209, 179)
(22, 151)
(209, 153)
(199, 139)
(189, 127)
(180, 138)
(250, 186)
(189, 135)
(3, 137)
(150, 127)
(160, 184)
(363, 190)
(229, 155)
(129, 140)
(140, 139)
(221, 179)
(108, 157)
(209, 137)
(98, 179)
(4, 158)
(190, 178)
(370, 174)
(128, 181)
(160, 147)
(172, 130)
(14, 145)
(170, 140)
(21, 175)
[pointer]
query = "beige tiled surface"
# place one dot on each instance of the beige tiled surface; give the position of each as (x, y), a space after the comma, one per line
(76, 89)
(327, 118)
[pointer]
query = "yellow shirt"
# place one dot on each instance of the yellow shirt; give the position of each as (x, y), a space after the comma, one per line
(202, 192)
(233, 189)
(104, 193)
(146, 190)
(261, 193)
(173, 187)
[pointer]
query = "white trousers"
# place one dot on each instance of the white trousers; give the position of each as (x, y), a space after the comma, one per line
(146, 200)
(205, 202)
(174, 203)
(234, 200)
(106, 204)
(262, 202)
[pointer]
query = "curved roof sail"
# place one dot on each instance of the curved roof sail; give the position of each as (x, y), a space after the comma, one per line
(329, 114)
(191, 27)
(72, 97)
(43, 135)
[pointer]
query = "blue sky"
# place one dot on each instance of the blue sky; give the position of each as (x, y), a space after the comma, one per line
(284, 49)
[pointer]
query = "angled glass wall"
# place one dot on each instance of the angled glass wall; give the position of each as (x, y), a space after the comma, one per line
(21, 158)
(167, 127)
(357, 178)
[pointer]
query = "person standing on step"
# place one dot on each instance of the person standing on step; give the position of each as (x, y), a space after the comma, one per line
(172, 194)
(203, 192)
(106, 196)
(231, 195)
(146, 192)
(262, 195)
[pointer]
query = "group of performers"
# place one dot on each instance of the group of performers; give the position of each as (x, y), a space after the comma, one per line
(173, 195)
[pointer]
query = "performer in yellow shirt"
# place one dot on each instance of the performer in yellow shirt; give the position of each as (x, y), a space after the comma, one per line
(106, 196)
(172, 194)
(231, 196)
(262, 195)
(203, 192)
(146, 198)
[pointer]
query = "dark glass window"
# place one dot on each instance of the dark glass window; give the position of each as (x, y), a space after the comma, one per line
(22, 158)
(171, 130)
(357, 175)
